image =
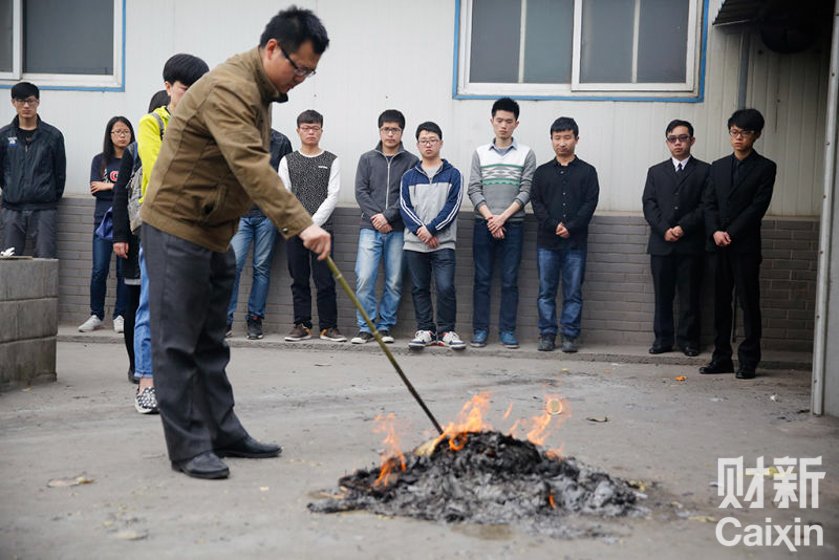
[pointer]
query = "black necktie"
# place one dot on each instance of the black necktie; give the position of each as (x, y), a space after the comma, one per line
(679, 168)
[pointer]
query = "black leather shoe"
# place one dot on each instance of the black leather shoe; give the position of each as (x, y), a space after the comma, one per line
(745, 373)
(718, 367)
(206, 465)
(656, 349)
(251, 449)
(690, 351)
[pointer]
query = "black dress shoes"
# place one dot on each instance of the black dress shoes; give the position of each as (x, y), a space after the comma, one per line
(745, 373)
(206, 465)
(656, 349)
(690, 351)
(718, 367)
(250, 448)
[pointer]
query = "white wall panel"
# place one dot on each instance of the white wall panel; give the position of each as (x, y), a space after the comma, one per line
(399, 54)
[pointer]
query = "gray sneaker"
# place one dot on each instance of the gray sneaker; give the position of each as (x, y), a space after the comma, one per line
(298, 333)
(547, 343)
(569, 345)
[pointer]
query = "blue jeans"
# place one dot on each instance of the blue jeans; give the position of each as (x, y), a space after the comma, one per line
(421, 266)
(485, 249)
(260, 232)
(102, 249)
(373, 248)
(142, 332)
(570, 264)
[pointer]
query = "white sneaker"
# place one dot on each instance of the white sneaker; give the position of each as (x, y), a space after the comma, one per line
(422, 339)
(119, 324)
(453, 341)
(93, 322)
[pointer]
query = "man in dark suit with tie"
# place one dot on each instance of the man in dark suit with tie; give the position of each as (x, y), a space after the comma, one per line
(673, 207)
(737, 196)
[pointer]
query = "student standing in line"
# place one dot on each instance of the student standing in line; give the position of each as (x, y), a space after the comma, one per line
(381, 238)
(499, 187)
(104, 173)
(564, 196)
(739, 191)
(313, 175)
(672, 202)
(431, 195)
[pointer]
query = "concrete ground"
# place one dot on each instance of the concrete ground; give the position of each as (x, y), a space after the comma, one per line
(319, 402)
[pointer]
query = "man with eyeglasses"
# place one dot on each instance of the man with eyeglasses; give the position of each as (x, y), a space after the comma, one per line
(213, 165)
(737, 196)
(672, 202)
(33, 170)
(381, 237)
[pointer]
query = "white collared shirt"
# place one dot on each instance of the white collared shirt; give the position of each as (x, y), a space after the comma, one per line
(676, 163)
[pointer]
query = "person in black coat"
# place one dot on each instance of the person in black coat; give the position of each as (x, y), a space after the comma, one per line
(673, 207)
(737, 196)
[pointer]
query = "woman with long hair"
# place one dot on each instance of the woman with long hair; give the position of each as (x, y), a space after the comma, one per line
(104, 172)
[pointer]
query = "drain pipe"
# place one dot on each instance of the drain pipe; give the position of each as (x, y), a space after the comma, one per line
(826, 227)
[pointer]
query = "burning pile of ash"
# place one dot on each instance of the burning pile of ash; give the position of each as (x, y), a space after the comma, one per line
(483, 477)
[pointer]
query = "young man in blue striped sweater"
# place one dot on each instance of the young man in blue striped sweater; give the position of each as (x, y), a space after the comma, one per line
(430, 197)
(499, 186)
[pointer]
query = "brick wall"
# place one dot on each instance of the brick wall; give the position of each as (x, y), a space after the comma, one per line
(618, 293)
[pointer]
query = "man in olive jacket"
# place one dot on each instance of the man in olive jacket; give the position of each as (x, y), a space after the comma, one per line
(213, 165)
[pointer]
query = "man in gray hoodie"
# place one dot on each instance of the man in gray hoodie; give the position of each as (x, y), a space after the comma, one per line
(377, 184)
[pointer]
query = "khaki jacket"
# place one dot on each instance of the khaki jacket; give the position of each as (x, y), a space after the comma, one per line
(215, 161)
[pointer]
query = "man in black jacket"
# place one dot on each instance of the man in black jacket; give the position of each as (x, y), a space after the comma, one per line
(673, 207)
(33, 169)
(738, 194)
(564, 196)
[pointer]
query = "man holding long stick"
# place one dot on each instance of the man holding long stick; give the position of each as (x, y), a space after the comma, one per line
(213, 165)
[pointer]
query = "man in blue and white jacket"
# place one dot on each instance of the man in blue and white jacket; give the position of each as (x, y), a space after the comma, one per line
(430, 198)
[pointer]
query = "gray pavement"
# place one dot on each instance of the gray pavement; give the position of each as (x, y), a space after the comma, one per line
(319, 402)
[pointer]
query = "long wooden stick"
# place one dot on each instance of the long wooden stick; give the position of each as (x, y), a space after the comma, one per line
(351, 294)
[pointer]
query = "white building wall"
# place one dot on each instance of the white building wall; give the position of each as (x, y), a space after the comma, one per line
(399, 54)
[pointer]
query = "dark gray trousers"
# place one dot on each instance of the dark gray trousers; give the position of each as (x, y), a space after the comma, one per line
(40, 225)
(189, 291)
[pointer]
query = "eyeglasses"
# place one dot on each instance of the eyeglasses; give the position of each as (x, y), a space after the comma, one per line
(734, 133)
(680, 138)
(121, 132)
(389, 130)
(428, 141)
(31, 101)
(314, 129)
(298, 71)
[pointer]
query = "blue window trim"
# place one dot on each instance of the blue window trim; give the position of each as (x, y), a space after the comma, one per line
(698, 98)
(119, 88)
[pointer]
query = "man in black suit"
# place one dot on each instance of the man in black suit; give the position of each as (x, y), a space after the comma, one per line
(673, 207)
(737, 196)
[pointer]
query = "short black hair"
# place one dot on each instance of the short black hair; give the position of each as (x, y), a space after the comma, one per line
(565, 123)
(506, 104)
(747, 119)
(24, 90)
(309, 116)
(159, 99)
(429, 126)
(184, 68)
(392, 115)
(677, 122)
(294, 26)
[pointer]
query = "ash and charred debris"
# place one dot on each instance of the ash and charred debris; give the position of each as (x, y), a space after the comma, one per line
(492, 479)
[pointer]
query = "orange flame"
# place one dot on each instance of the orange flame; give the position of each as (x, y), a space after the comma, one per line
(470, 419)
(509, 410)
(551, 501)
(392, 455)
(538, 428)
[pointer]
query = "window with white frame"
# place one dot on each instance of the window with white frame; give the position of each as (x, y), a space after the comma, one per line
(62, 43)
(585, 48)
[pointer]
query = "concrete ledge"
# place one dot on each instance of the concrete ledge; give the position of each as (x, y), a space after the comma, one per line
(28, 321)
(595, 352)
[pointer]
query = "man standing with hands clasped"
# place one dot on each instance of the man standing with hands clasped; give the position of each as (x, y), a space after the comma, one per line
(738, 194)
(673, 207)
(213, 165)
